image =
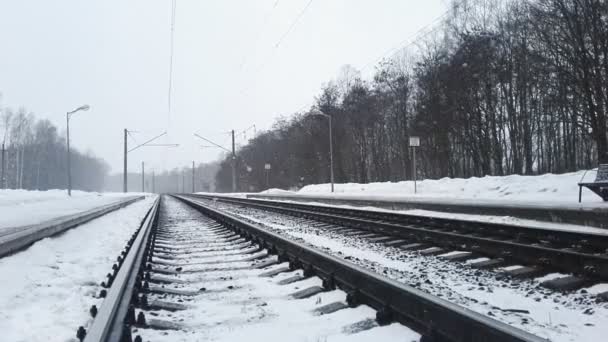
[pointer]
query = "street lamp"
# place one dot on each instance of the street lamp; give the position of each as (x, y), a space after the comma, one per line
(67, 116)
(331, 148)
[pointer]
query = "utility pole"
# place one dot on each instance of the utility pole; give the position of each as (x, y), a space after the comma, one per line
(331, 155)
(2, 174)
(234, 185)
(124, 166)
(142, 177)
(233, 164)
(193, 177)
(67, 119)
(126, 151)
(153, 185)
(183, 181)
(331, 149)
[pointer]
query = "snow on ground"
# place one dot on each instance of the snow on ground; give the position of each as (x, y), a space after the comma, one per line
(25, 207)
(47, 289)
(558, 316)
(547, 189)
(238, 305)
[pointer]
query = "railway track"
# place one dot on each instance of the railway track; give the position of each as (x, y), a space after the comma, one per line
(582, 255)
(193, 266)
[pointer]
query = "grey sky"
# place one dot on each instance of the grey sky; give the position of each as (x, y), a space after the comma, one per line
(114, 55)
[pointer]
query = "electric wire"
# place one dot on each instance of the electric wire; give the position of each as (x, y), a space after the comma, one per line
(169, 92)
(259, 34)
(276, 46)
(293, 24)
(412, 39)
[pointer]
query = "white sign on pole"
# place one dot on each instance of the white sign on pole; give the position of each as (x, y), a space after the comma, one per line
(414, 141)
(267, 166)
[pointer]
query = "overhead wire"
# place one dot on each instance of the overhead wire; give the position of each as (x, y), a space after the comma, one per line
(170, 80)
(259, 33)
(171, 49)
(293, 24)
(132, 137)
(412, 39)
(277, 45)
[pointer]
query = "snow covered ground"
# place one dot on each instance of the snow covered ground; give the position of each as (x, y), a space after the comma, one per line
(549, 314)
(24, 207)
(46, 291)
(547, 189)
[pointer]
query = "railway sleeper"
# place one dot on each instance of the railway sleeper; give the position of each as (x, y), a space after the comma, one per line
(541, 267)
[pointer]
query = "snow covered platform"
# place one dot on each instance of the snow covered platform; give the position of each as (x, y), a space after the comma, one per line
(20, 208)
(549, 197)
(16, 238)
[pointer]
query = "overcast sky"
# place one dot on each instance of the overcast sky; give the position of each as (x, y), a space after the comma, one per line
(228, 71)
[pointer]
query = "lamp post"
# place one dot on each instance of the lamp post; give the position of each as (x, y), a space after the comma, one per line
(331, 148)
(67, 118)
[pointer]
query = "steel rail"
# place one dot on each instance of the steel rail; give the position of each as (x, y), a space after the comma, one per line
(594, 215)
(436, 319)
(110, 323)
(515, 248)
(596, 241)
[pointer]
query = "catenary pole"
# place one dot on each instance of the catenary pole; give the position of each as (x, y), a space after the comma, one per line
(193, 177)
(124, 166)
(331, 155)
(2, 185)
(142, 177)
(233, 164)
(67, 119)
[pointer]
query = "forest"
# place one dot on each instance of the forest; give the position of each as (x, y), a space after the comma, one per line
(497, 87)
(34, 156)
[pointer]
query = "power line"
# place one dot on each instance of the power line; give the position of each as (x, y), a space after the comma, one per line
(293, 24)
(132, 137)
(173, 9)
(412, 38)
(259, 34)
(277, 45)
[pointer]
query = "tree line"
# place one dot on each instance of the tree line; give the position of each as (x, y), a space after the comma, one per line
(176, 180)
(499, 87)
(35, 156)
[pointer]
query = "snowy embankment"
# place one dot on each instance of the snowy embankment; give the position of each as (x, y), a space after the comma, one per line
(24, 207)
(551, 189)
(47, 290)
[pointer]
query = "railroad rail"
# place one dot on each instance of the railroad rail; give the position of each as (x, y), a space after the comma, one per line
(589, 214)
(17, 238)
(579, 253)
(112, 321)
(434, 318)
